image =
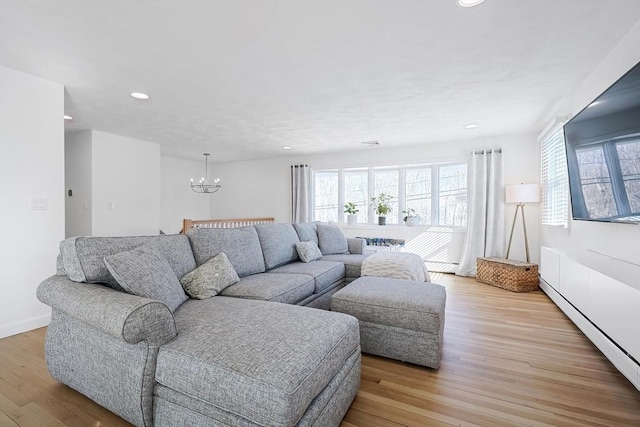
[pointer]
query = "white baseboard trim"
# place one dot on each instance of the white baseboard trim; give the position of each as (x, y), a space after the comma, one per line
(625, 364)
(25, 325)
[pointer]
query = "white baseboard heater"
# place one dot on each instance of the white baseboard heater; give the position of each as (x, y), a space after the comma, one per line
(601, 296)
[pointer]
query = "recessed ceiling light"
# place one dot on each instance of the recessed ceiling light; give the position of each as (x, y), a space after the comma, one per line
(471, 126)
(469, 3)
(68, 117)
(286, 147)
(370, 143)
(139, 95)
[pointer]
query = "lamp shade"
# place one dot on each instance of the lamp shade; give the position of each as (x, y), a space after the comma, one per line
(523, 193)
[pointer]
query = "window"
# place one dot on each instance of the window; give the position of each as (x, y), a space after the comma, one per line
(386, 181)
(438, 193)
(326, 196)
(418, 192)
(596, 182)
(356, 190)
(453, 195)
(629, 155)
(609, 179)
(555, 185)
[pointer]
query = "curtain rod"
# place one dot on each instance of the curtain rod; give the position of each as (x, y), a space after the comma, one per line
(300, 166)
(495, 150)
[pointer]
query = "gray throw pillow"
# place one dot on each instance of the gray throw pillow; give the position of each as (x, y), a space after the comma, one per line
(307, 231)
(210, 278)
(145, 272)
(331, 240)
(308, 251)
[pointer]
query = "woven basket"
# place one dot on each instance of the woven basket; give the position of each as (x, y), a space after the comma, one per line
(514, 276)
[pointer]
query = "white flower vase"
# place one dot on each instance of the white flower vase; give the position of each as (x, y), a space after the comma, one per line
(413, 221)
(352, 219)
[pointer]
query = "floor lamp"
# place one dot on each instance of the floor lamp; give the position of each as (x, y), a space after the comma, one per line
(521, 194)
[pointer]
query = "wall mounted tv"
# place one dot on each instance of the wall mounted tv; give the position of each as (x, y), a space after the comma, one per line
(603, 154)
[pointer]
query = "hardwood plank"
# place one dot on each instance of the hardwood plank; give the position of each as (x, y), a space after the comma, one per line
(508, 359)
(5, 421)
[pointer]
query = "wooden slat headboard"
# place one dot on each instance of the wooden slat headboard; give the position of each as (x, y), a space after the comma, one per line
(188, 224)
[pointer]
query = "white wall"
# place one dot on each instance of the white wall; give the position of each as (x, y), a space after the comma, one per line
(177, 200)
(620, 241)
(77, 177)
(126, 186)
(31, 165)
(262, 187)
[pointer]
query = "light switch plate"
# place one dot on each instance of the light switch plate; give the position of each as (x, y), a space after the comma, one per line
(39, 204)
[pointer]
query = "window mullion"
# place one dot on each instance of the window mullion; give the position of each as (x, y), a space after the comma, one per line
(435, 195)
(402, 193)
(341, 202)
(371, 191)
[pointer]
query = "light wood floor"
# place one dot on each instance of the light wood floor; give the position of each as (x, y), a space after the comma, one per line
(509, 359)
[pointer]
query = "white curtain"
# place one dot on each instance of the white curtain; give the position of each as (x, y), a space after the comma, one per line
(485, 227)
(300, 193)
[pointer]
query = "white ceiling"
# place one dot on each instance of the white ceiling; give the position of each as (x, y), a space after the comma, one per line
(244, 78)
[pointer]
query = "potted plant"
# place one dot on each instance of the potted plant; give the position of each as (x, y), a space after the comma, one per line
(382, 207)
(351, 209)
(411, 218)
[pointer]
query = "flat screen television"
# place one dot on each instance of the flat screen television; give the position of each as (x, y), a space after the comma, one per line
(603, 154)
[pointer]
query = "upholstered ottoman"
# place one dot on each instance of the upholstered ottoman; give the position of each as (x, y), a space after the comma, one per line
(399, 319)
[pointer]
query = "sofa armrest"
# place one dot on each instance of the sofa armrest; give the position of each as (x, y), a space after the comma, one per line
(356, 246)
(128, 317)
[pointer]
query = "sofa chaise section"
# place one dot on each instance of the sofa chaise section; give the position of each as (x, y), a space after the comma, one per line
(104, 344)
(242, 362)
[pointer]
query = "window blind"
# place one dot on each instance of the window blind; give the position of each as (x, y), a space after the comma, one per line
(555, 183)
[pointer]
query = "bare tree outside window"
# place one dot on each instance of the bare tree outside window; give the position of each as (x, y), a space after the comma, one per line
(629, 154)
(386, 181)
(596, 182)
(356, 190)
(453, 195)
(437, 193)
(326, 196)
(418, 192)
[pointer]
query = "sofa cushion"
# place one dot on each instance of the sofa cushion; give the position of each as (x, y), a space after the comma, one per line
(278, 243)
(241, 245)
(308, 251)
(331, 240)
(210, 278)
(324, 273)
(83, 257)
(288, 289)
(267, 367)
(145, 272)
(352, 263)
(307, 231)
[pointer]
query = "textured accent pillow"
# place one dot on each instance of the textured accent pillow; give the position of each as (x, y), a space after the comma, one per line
(210, 278)
(308, 251)
(145, 272)
(331, 240)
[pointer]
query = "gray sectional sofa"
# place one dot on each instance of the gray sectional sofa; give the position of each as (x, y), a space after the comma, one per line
(254, 355)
